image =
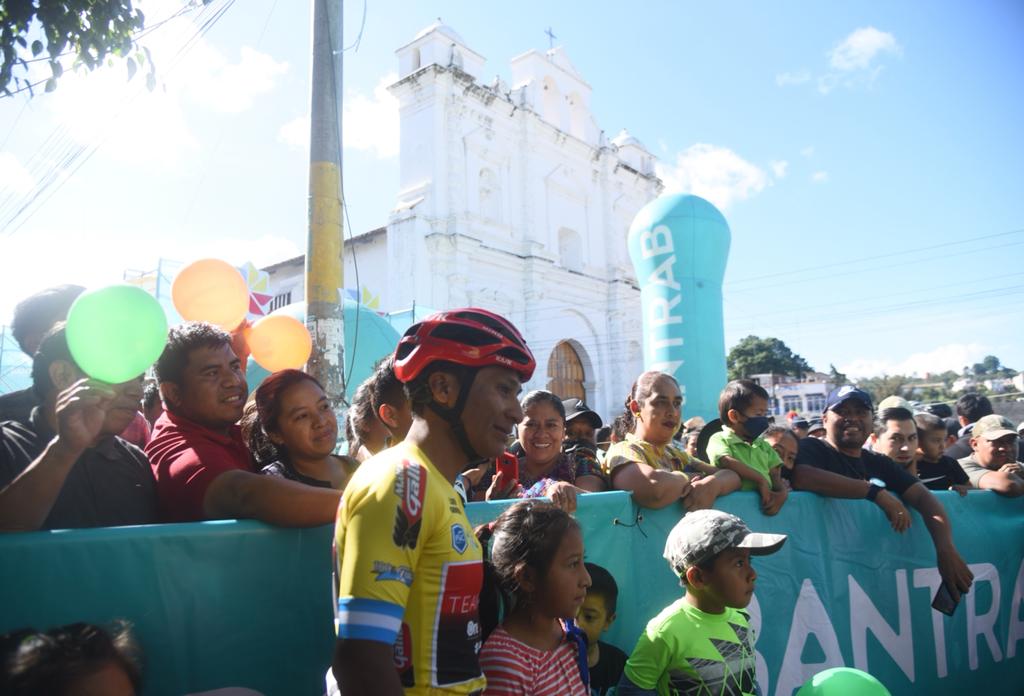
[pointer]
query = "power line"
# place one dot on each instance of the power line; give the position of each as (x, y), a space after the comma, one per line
(861, 300)
(858, 271)
(69, 158)
(839, 264)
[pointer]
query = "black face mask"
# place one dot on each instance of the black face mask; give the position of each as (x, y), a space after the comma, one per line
(753, 427)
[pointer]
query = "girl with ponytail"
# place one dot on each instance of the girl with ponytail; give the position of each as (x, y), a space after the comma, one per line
(537, 576)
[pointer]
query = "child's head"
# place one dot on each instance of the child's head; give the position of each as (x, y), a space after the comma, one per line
(74, 659)
(785, 443)
(710, 552)
(931, 436)
(598, 610)
(743, 406)
(537, 560)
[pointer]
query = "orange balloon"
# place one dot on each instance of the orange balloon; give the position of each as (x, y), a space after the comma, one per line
(211, 290)
(280, 342)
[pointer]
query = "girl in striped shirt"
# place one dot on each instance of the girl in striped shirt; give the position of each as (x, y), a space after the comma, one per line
(536, 573)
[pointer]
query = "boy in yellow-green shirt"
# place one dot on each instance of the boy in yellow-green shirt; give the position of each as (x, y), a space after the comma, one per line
(743, 408)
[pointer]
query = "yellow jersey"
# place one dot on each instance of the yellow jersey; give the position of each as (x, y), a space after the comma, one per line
(409, 571)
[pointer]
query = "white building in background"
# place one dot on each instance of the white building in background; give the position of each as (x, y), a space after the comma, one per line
(511, 198)
(805, 396)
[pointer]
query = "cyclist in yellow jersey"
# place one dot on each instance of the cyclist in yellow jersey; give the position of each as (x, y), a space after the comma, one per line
(409, 568)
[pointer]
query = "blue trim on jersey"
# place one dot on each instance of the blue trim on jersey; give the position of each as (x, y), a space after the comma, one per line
(369, 619)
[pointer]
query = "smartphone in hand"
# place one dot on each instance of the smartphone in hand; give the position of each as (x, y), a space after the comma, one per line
(944, 601)
(508, 464)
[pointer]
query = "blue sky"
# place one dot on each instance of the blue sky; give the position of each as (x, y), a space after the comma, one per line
(867, 155)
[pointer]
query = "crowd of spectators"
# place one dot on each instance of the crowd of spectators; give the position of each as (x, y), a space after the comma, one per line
(195, 445)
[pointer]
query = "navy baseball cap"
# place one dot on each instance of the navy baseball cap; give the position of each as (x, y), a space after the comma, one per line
(846, 392)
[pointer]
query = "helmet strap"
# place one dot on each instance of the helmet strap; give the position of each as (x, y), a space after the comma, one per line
(453, 416)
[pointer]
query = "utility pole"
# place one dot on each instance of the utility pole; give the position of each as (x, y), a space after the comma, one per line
(325, 249)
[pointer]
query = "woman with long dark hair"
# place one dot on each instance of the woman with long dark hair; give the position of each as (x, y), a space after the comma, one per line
(294, 430)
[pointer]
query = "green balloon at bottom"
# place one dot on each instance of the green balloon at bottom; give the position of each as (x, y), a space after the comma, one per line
(115, 333)
(843, 681)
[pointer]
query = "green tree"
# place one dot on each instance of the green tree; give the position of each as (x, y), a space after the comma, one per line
(836, 377)
(754, 355)
(886, 385)
(89, 30)
(989, 366)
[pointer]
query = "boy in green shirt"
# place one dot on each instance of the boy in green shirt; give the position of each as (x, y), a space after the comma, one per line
(701, 644)
(743, 408)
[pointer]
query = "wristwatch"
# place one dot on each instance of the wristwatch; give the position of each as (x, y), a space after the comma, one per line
(875, 486)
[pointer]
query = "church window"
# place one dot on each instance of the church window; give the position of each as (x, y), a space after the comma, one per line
(570, 249)
(490, 196)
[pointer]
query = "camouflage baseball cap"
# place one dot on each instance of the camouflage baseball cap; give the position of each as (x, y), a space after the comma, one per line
(993, 427)
(702, 534)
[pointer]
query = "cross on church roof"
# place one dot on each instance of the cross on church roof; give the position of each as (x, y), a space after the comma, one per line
(551, 38)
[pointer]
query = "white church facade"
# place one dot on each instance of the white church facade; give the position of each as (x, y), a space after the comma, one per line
(511, 198)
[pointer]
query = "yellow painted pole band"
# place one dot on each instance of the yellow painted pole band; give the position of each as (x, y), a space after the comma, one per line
(325, 269)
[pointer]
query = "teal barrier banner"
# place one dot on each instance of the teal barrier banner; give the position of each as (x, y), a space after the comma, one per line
(239, 604)
(844, 590)
(214, 604)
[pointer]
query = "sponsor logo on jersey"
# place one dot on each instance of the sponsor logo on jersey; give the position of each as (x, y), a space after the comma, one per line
(411, 489)
(403, 656)
(457, 628)
(387, 571)
(459, 542)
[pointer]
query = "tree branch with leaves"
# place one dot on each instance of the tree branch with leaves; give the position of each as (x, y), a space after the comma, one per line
(92, 31)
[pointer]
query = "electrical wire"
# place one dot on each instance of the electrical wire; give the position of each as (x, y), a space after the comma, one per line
(68, 159)
(846, 263)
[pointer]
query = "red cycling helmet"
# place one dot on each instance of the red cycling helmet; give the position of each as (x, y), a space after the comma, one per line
(470, 336)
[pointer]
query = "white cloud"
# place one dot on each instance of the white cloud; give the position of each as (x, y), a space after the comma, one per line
(787, 79)
(952, 356)
(779, 168)
(295, 133)
(715, 173)
(371, 123)
(853, 62)
(136, 126)
(857, 50)
(130, 124)
(226, 87)
(807, 151)
(819, 177)
(14, 177)
(368, 123)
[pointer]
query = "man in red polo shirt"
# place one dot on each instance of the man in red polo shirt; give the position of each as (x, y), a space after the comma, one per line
(203, 468)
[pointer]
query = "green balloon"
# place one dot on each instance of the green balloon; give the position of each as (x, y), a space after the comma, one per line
(843, 681)
(115, 333)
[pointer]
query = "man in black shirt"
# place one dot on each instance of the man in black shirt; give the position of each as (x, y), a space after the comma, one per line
(837, 466)
(970, 408)
(66, 467)
(33, 317)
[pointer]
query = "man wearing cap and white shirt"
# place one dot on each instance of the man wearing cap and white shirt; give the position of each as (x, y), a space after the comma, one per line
(992, 464)
(839, 467)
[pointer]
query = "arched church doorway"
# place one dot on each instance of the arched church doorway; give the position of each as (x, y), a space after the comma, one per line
(566, 377)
